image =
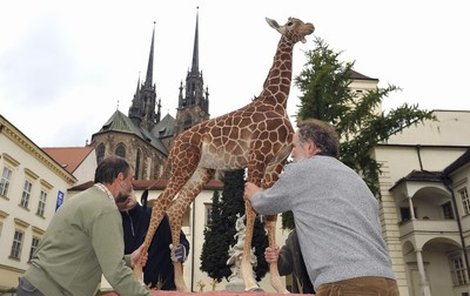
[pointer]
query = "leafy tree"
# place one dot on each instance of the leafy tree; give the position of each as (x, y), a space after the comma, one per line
(325, 94)
(224, 231)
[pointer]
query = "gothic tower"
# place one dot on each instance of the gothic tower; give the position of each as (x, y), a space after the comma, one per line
(130, 137)
(142, 111)
(193, 100)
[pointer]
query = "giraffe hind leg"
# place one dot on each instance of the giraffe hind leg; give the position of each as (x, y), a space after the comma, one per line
(158, 212)
(176, 213)
(183, 169)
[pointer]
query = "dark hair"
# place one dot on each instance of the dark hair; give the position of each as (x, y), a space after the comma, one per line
(322, 134)
(109, 168)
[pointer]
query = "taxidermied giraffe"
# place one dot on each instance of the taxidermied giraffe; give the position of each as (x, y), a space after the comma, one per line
(257, 136)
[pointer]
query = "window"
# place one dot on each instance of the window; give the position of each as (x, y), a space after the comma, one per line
(34, 246)
(458, 271)
(100, 153)
(121, 150)
(41, 204)
(3, 216)
(5, 181)
(188, 122)
(406, 214)
(465, 201)
(16, 246)
(26, 194)
(137, 165)
(447, 210)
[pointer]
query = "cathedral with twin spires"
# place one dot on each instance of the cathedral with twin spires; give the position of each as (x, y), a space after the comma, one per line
(142, 137)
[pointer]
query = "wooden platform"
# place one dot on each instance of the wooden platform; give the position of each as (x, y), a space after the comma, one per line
(211, 293)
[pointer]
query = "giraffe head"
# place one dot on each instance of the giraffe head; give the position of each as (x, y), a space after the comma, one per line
(294, 30)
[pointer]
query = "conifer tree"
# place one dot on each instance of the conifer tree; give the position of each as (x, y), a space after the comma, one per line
(213, 255)
(230, 207)
(361, 124)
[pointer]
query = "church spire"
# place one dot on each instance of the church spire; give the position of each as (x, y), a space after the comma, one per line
(142, 110)
(195, 65)
(193, 105)
(149, 78)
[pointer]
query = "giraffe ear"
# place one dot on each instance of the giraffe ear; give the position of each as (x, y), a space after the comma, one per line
(272, 23)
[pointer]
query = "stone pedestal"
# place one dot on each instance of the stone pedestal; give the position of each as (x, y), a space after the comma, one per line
(235, 284)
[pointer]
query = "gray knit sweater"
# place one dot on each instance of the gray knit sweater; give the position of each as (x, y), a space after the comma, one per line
(336, 218)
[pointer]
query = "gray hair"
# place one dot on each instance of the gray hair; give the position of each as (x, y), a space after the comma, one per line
(321, 133)
(108, 169)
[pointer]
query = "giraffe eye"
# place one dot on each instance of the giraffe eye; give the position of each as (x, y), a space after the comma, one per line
(289, 24)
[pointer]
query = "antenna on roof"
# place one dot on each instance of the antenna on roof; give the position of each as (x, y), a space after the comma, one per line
(117, 108)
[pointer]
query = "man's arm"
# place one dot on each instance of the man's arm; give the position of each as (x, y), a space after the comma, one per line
(107, 241)
(282, 257)
(273, 200)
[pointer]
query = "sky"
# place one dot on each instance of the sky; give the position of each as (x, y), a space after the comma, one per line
(67, 66)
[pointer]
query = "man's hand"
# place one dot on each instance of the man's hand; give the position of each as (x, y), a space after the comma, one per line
(136, 255)
(271, 255)
(250, 190)
(178, 253)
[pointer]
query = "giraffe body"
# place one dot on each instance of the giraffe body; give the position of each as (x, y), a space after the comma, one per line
(257, 136)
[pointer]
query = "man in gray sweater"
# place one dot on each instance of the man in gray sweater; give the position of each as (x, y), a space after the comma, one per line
(335, 213)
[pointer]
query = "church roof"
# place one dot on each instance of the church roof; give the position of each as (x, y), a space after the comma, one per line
(164, 128)
(458, 163)
(420, 176)
(358, 76)
(119, 122)
(69, 158)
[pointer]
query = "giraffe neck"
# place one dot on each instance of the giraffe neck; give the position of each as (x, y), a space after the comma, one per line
(277, 85)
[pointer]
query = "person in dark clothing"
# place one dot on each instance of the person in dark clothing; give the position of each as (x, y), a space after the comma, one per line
(290, 261)
(159, 271)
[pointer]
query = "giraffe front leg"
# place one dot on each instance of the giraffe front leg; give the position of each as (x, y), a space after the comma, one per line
(270, 226)
(271, 176)
(246, 268)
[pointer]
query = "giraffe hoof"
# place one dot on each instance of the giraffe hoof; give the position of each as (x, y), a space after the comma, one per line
(256, 289)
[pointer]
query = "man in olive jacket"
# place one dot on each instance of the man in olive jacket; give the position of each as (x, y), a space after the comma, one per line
(85, 240)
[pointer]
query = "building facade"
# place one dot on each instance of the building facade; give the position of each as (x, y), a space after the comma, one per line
(425, 205)
(32, 186)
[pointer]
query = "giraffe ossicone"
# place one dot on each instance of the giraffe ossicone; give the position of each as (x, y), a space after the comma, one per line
(257, 136)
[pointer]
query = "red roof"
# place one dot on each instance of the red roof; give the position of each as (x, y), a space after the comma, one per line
(68, 157)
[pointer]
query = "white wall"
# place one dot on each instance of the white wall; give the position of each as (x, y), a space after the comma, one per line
(33, 164)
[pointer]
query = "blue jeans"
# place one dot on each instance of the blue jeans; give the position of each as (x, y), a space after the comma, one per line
(361, 286)
(25, 288)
